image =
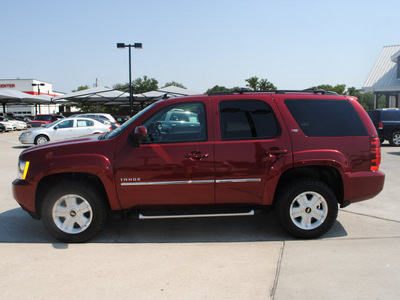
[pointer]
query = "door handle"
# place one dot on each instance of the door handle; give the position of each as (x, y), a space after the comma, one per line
(196, 155)
(272, 152)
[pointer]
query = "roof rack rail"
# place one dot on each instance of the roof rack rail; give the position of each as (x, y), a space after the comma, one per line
(244, 90)
(220, 93)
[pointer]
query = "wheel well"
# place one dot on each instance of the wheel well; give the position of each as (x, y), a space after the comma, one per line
(42, 135)
(328, 175)
(55, 179)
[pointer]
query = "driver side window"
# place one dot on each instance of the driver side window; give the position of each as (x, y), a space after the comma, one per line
(183, 122)
(66, 124)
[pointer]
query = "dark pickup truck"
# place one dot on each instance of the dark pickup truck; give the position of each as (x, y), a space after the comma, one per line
(302, 153)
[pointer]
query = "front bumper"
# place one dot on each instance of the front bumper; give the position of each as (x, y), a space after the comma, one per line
(24, 194)
(26, 139)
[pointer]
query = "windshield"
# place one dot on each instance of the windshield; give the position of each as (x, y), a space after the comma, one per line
(42, 118)
(118, 130)
(52, 124)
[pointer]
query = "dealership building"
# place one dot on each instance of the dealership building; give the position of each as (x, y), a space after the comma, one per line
(32, 87)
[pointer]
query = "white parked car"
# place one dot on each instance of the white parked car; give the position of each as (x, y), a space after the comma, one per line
(106, 117)
(8, 125)
(63, 129)
(19, 125)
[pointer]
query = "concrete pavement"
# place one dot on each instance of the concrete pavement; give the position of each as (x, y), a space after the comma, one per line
(215, 258)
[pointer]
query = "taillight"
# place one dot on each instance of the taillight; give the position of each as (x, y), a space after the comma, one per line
(375, 154)
(110, 128)
(380, 125)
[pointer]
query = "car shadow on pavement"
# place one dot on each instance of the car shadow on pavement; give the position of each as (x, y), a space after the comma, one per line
(394, 153)
(16, 226)
(22, 147)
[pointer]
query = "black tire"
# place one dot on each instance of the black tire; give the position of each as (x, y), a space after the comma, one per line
(395, 139)
(41, 139)
(307, 208)
(74, 211)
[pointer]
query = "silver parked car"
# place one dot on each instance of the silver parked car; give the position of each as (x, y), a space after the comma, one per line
(63, 129)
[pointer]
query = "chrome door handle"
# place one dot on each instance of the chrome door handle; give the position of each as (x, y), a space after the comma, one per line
(196, 155)
(272, 152)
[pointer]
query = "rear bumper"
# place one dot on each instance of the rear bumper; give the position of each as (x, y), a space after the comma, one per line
(24, 194)
(362, 185)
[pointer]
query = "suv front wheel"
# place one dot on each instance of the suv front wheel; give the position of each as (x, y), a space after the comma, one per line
(74, 211)
(307, 208)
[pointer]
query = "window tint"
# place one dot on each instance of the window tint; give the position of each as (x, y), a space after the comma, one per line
(323, 118)
(247, 119)
(66, 124)
(183, 122)
(390, 115)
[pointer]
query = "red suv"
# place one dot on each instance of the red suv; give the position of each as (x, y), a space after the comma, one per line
(302, 153)
(40, 120)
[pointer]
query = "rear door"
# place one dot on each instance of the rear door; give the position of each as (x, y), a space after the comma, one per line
(83, 127)
(250, 141)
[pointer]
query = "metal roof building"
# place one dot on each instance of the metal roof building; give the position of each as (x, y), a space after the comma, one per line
(384, 79)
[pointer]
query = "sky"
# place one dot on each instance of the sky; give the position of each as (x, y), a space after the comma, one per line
(295, 44)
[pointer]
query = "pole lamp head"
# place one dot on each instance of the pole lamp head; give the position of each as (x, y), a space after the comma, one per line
(120, 45)
(137, 45)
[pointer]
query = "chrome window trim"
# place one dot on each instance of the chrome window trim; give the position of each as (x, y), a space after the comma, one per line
(192, 182)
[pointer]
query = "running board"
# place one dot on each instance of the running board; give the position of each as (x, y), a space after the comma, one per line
(241, 214)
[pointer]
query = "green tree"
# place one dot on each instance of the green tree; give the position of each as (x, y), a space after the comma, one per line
(174, 83)
(140, 85)
(339, 88)
(217, 88)
(252, 83)
(265, 85)
(81, 88)
(257, 84)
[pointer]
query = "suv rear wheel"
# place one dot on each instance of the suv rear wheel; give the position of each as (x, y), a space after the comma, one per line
(307, 208)
(74, 211)
(395, 139)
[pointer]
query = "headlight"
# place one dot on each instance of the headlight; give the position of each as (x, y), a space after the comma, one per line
(23, 167)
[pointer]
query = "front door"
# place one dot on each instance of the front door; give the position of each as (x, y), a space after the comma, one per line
(176, 165)
(248, 143)
(63, 130)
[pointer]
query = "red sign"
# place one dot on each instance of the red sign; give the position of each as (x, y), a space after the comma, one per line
(8, 85)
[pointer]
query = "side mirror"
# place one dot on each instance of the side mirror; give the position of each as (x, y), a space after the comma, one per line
(138, 136)
(55, 127)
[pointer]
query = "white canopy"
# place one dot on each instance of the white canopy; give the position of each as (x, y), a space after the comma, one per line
(16, 97)
(96, 94)
(115, 97)
(169, 91)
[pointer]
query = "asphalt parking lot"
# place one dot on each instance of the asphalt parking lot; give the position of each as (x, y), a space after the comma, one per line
(213, 258)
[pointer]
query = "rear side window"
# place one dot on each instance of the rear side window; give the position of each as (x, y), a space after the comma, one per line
(247, 120)
(390, 116)
(326, 118)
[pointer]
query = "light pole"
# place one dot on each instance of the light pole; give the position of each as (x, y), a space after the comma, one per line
(136, 46)
(38, 89)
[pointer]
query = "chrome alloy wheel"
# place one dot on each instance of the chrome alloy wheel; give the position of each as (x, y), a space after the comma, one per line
(308, 210)
(72, 214)
(41, 140)
(396, 139)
